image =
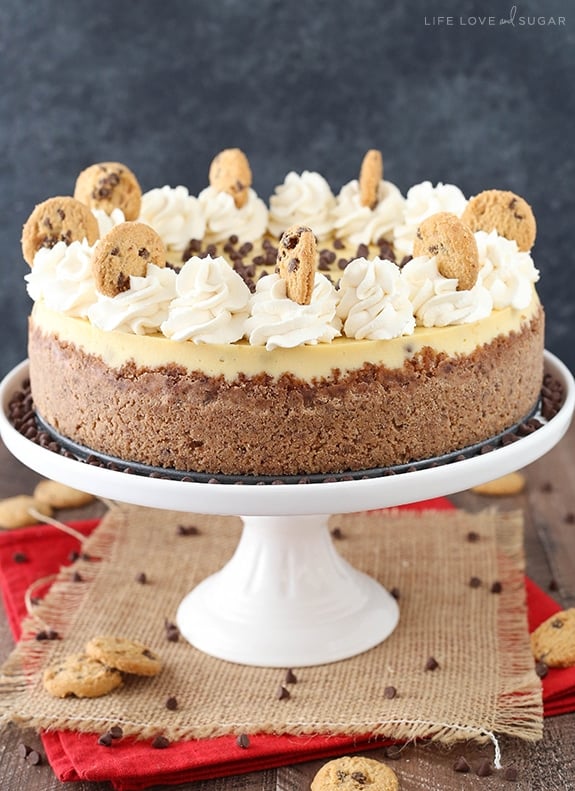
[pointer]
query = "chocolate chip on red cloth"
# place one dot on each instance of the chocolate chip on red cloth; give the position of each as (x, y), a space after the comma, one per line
(20, 557)
(116, 732)
(106, 739)
(541, 668)
(243, 741)
(461, 764)
(160, 742)
(484, 769)
(431, 664)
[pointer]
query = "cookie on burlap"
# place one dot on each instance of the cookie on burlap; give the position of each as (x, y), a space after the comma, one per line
(125, 250)
(354, 773)
(120, 653)
(230, 172)
(58, 495)
(553, 642)
(58, 219)
(444, 237)
(297, 262)
(109, 186)
(513, 483)
(15, 511)
(370, 176)
(80, 676)
(505, 212)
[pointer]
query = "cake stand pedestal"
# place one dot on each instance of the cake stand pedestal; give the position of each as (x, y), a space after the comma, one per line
(286, 598)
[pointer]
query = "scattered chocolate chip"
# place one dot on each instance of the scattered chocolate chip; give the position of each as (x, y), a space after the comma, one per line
(389, 692)
(290, 677)
(73, 556)
(510, 773)
(171, 703)
(541, 668)
(472, 536)
(484, 769)
(160, 742)
(393, 752)
(461, 764)
(547, 487)
(282, 693)
(106, 739)
(77, 577)
(187, 530)
(172, 632)
(496, 587)
(243, 741)
(23, 750)
(336, 533)
(47, 634)
(116, 732)
(20, 557)
(34, 758)
(474, 582)
(431, 664)
(141, 578)
(395, 593)
(553, 585)
(569, 518)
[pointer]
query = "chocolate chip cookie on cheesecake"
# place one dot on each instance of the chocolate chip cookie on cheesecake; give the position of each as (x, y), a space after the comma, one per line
(313, 334)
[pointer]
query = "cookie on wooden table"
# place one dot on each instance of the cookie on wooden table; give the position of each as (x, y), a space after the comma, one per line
(354, 773)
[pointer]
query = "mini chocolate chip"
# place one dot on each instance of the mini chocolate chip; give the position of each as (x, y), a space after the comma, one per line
(541, 668)
(553, 585)
(34, 758)
(510, 773)
(187, 530)
(20, 557)
(243, 741)
(115, 251)
(160, 742)
(461, 764)
(144, 253)
(547, 487)
(336, 533)
(290, 677)
(282, 693)
(23, 750)
(474, 582)
(389, 692)
(496, 587)
(106, 739)
(141, 578)
(395, 593)
(171, 703)
(116, 732)
(431, 664)
(569, 518)
(472, 536)
(484, 769)
(393, 752)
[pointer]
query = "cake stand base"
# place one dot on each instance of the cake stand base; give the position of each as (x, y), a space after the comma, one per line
(287, 599)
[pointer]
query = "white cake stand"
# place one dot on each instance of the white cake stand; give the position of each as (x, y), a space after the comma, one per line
(286, 598)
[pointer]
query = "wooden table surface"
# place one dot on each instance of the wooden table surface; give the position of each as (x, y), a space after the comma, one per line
(547, 502)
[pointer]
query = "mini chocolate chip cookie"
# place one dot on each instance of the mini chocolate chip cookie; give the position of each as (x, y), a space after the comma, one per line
(354, 773)
(297, 262)
(80, 676)
(120, 653)
(370, 176)
(553, 642)
(230, 172)
(444, 237)
(505, 212)
(15, 511)
(59, 219)
(125, 250)
(109, 186)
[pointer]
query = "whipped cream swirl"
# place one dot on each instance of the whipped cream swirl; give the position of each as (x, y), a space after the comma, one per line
(435, 299)
(142, 308)
(62, 277)
(174, 214)
(278, 321)
(422, 201)
(304, 199)
(224, 218)
(506, 272)
(362, 225)
(107, 221)
(374, 301)
(212, 303)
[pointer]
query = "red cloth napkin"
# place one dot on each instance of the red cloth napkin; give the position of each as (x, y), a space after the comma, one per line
(129, 764)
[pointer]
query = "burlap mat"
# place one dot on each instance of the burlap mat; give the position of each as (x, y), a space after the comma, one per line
(485, 682)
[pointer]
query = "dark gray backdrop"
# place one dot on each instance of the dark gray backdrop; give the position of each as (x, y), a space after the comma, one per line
(162, 85)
